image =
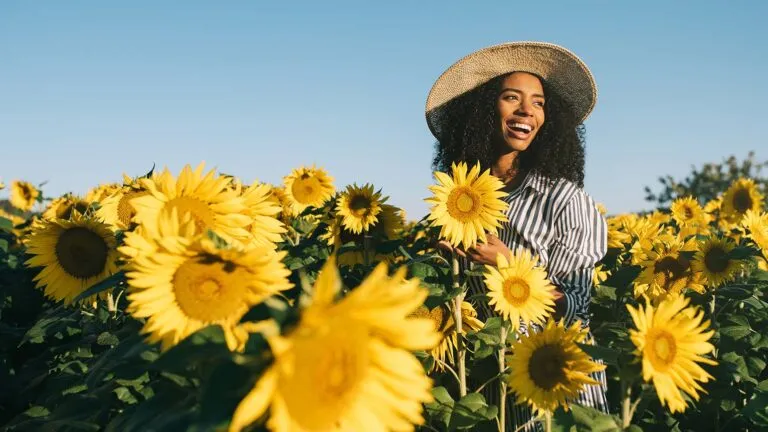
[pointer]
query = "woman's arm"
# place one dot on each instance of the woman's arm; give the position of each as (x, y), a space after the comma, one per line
(580, 242)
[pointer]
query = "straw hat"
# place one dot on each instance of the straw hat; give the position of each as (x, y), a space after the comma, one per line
(565, 73)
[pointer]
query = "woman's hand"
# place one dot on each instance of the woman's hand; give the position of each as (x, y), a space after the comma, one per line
(482, 253)
(486, 253)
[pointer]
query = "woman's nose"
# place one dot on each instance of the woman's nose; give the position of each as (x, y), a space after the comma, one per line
(525, 108)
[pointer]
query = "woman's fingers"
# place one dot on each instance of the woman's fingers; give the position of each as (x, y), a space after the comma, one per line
(448, 247)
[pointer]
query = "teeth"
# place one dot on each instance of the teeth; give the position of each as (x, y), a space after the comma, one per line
(522, 126)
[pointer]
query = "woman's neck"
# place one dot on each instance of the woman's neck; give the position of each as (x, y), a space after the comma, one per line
(508, 170)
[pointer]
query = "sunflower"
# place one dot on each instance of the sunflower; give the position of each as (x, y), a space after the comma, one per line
(265, 227)
(445, 325)
(308, 187)
(601, 208)
(690, 217)
(548, 368)
(209, 198)
(75, 254)
(756, 224)
(115, 208)
(618, 238)
(714, 262)
(659, 218)
(600, 275)
(181, 282)
(388, 227)
(355, 353)
(65, 206)
(358, 207)
(670, 341)
(666, 271)
(713, 206)
(23, 195)
(742, 196)
(278, 196)
(467, 205)
(98, 193)
(519, 289)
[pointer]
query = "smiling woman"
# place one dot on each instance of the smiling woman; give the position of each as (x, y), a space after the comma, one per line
(518, 109)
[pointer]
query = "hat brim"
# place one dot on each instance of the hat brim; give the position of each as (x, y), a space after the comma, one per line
(563, 71)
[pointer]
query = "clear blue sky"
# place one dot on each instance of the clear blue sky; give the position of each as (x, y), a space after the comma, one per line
(89, 90)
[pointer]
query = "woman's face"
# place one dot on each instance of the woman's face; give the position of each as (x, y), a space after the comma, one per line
(520, 106)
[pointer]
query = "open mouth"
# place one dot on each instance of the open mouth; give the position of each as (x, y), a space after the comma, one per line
(519, 130)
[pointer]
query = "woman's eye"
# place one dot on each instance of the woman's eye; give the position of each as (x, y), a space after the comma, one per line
(510, 97)
(539, 103)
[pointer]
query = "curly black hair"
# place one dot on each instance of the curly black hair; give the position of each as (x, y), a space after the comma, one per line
(470, 123)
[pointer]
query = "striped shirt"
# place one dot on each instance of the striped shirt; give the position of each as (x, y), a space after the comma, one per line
(558, 222)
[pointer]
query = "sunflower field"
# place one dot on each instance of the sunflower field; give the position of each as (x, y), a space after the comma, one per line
(192, 301)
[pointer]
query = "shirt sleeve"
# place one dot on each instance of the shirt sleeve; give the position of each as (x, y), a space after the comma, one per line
(580, 242)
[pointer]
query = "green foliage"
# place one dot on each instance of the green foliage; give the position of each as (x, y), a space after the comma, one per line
(709, 181)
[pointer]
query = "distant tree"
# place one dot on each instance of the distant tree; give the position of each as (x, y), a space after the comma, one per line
(709, 181)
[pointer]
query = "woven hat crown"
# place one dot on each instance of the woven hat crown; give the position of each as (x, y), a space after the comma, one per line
(561, 69)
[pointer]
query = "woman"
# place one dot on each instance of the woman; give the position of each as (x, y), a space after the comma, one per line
(518, 109)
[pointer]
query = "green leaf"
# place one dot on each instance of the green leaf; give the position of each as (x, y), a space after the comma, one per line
(6, 224)
(593, 419)
(734, 292)
(4, 245)
(107, 339)
(104, 285)
(757, 409)
(440, 410)
(763, 386)
(622, 278)
(135, 383)
(222, 391)
(76, 389)
(738, 320)
(755, 365)
(37, 411)
(608, 355)
(471, 410)
(125, 395)
(735, 332)
(205, 345)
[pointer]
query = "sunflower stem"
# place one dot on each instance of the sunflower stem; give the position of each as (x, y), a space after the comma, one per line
(503, 382)
(548, 421)
(460, 348)
(626, 405)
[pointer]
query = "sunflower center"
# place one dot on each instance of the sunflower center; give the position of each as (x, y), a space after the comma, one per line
(211, 290)
(463, 204)
(125, 211)
(26, 192)
(662, 349)
(742, 200)
(306, 189)
(716, 260)
(81, 252)
(688, 212)
(547, 366)
(440, 318)
(516, 291)
(200, 211)
(672, 266)
(359, 205)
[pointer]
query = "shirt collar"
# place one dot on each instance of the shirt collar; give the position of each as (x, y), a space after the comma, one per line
(535, 181)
